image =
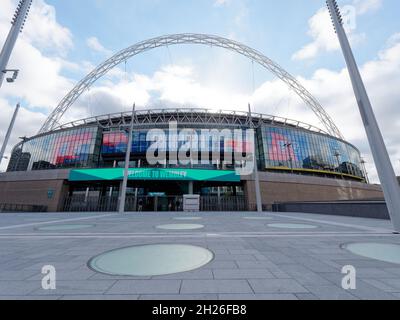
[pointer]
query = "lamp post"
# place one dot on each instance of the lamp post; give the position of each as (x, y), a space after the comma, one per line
(17, 25)
(384, 166)
(255, 163)
(363, 162)
(127, 161)
(10, 128)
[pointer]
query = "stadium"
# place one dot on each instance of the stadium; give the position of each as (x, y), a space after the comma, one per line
(79, 166)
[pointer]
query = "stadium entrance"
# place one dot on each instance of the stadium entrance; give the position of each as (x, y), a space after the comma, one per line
(154, 190)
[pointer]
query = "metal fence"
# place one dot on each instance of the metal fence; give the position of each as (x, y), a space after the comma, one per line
(231, 203)
(79, 203)
(11, 208)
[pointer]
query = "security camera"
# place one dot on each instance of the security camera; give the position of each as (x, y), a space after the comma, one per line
(14, 76)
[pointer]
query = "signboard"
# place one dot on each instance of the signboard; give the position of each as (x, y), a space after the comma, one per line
(155, 174)
(50, 193)
(191, 203)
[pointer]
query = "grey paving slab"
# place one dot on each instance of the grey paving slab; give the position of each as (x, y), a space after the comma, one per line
(330, 293)
(180, 297)
(393, 283)
(392, 270)
(74, 287)
(70, 275)
(366, 291)
(242, 274)
(202, 274)
(374, 273)
(99, 297)
(306, 297)
(145, 287)
(222, 265)
(234, 257)
(251, 261)
(215, 286)
(16, 275)
(380, 285)
(30, 298)
(241, 297)
(18, 288)
(277, 286)
(304, 275)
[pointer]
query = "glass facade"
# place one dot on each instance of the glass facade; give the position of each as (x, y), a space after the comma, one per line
(298, 149)
(115, 143)
(278, 148)
(74, 148)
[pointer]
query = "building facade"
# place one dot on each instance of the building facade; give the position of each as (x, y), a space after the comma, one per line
(79, 166)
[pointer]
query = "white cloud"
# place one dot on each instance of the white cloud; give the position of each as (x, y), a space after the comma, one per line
(39, 54)
(94, 44)
(25, 125)
(323, 35)
(364, 6)
(219, 3)
(43, 31)
(321, 30)
(40, 82)
(393, 40)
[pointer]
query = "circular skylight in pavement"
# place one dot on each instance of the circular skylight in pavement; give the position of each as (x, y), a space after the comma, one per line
(151, 260)
(378, 251)
(180, 227)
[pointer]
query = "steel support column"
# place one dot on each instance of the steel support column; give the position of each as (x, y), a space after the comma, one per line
(383, 163)
(122, 199)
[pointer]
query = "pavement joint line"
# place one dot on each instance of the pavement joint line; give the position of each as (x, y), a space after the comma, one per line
(54, 221)
(190, 233)
(339, 224)
(198, 236)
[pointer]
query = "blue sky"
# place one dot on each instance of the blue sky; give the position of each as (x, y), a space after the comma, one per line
(65, 40)
(277, 28)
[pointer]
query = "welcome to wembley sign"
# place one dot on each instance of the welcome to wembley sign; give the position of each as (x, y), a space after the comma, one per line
(155, 174)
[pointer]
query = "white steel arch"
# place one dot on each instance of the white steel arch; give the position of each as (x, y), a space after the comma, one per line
(188, 38)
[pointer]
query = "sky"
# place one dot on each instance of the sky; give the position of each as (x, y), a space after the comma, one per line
(64, 40)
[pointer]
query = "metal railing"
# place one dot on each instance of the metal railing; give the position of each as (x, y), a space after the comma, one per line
(11, 208)
(224, 203)
(79, 203)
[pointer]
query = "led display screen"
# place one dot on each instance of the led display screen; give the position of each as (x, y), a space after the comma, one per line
(72, 149)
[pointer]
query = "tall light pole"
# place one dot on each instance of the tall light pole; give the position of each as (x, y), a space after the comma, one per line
(255, 163)
(363, 164)
(384, 166)
(17, 22)
(127, 161)
(10, 128)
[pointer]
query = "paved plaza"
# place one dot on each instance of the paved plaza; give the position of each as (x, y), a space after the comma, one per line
(252, 259)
